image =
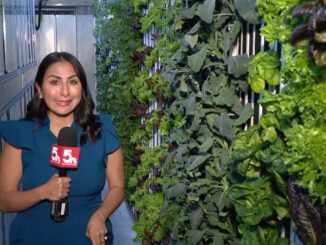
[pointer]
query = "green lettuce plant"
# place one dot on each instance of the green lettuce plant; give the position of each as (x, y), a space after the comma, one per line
(285, 148)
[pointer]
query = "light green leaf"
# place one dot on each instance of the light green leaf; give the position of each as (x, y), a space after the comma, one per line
(183, 87)
(257, 84)
(191, 40)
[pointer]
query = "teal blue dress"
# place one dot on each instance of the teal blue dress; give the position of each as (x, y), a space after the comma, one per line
(34, 226)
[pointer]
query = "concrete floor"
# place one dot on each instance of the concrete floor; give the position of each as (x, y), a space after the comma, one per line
(122, 222)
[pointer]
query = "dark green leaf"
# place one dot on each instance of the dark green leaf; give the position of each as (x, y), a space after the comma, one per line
(206, 10)
(190, 106)
(190, 12)
(176, 191)
(194, 29)
(247, 112)
(196, 60)
(195, 218)
(247, 10)
(200, 159)
(226, 97)
(206, 145)
(238, 65)
(195, 236)
(226, 127)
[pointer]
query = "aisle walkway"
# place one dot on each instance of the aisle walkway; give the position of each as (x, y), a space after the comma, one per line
(122, 222)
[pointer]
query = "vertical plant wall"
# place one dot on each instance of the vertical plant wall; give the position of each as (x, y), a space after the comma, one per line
(206, 79)
(117, 39)
(212, 179)
(281, 160)
(153, 95)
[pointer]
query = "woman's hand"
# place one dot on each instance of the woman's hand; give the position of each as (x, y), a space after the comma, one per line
(57, 187)
(96, 229)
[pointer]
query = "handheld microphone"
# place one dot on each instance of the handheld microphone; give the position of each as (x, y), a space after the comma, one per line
(64, 155)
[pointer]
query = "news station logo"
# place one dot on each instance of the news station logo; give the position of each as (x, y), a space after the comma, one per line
(64, 156)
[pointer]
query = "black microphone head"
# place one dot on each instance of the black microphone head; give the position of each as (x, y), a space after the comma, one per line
(67, 137)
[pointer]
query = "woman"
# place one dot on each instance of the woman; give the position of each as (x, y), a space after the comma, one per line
(29, 184)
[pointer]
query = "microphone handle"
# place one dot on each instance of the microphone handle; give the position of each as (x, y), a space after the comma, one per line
(59, 209)
(62, 172)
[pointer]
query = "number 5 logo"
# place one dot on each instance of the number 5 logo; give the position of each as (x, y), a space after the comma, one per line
(68, 158)
(54, 155)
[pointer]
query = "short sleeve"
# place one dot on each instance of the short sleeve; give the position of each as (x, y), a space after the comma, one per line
(111, 139)
(17, 133)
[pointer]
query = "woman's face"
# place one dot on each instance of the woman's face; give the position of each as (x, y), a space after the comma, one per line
(61, 89)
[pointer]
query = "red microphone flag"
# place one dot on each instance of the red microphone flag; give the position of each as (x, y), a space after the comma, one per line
(64, 156)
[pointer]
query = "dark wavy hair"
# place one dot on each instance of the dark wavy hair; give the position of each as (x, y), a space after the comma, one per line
(83, 114)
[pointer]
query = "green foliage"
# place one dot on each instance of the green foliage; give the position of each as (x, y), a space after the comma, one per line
(149, 224)
(277, 18)
(149, 87)
(210, 183)
(206, 79)
(116, 69)
(288, 143)
(264, 68)
(267, 235)
(255, 201)
(247, 10)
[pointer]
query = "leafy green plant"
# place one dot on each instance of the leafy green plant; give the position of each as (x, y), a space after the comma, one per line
(277, 19)
(264, 68)
(116, 69)
(206, 78)
(287, 144)
(150, 87)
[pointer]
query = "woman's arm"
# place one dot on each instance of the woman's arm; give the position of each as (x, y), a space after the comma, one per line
(14, 200)
(115, 175)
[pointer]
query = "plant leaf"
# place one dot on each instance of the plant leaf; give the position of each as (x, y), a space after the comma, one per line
(190, 12)
(238, 65)
(191, 40)
(226, 126)
(206, 10)
(246, 113)
(195, 28)
(195, 218)
(195, 236)
(176, 191)
(196, 60)
(247, 10)
(200, 159)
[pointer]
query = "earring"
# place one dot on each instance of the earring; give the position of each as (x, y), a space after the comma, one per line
(41, 96)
